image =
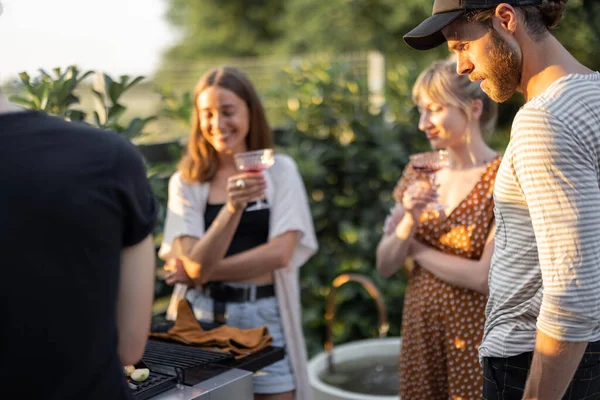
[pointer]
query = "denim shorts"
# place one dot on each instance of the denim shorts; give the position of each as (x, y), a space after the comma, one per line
(274, 378)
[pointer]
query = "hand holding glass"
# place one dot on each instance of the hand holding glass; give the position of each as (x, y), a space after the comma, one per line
(255, 161)
(429, 163)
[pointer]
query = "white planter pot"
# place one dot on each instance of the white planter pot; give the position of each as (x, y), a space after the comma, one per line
(348, 352)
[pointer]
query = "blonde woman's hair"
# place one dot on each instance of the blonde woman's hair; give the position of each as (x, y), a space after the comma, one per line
(444, 85)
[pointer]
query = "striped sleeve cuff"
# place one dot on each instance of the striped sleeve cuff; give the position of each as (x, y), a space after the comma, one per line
(564, 325)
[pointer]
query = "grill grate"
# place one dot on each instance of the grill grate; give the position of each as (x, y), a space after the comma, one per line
(179, 360)
(155, 384)
(181, 356)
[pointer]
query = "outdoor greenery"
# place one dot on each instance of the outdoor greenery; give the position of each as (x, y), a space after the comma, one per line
(350, 155)
(233, 28)
(56, 94)
(217, 30)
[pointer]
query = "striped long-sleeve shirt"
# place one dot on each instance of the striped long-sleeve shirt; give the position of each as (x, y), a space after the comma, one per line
(545, 271)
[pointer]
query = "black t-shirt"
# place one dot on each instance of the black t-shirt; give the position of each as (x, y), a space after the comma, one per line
(72, 196)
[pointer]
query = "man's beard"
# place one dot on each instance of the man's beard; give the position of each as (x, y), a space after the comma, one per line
(504, 69)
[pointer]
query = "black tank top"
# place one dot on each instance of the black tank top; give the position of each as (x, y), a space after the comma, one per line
(252, 231)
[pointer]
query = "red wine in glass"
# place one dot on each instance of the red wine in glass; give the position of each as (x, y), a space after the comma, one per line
(255, 161)
(429, 168)
(429, 163)
(255, 168)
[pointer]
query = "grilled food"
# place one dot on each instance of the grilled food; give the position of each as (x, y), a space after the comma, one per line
(128, 370)
(140, 375)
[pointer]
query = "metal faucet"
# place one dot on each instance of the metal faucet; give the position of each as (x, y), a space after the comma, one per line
(368, 284)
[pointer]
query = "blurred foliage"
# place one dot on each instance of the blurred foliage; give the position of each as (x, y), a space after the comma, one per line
(56, 95)
(234, 28)
(176, 107)
(109, 110)
(350, 155)
(216, 28)
(223, 27)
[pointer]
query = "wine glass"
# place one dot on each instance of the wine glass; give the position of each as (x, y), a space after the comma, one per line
(255, 161)
(429, 163)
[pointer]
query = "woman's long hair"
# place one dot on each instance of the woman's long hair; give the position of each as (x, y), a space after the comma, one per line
(201, 162)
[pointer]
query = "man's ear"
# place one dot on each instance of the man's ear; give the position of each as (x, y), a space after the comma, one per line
(506, 18)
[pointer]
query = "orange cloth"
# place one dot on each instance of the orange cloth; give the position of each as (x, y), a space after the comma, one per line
(239, 342)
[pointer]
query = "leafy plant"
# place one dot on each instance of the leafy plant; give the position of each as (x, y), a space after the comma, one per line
(350, 155)
(110, 110)
(56, 94)
(176, 107)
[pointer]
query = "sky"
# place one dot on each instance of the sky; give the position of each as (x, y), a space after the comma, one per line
(114, 36)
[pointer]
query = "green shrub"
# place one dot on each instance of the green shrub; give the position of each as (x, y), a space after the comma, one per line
(350, 156)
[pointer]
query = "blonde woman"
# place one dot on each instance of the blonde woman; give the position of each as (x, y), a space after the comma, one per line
(445, 299)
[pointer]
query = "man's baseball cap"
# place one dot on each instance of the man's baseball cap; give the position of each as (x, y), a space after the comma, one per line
(429, 32)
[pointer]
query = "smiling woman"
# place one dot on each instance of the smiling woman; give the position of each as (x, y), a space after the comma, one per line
(240, 263)
(226, 106)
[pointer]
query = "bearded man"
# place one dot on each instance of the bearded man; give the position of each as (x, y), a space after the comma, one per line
(542, 333)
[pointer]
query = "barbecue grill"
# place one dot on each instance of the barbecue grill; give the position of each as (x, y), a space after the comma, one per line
(180, 360)
(155, 384)
(178, 371)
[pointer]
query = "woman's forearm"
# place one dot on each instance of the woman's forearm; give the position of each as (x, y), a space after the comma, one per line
(212, 247)
(246, 265)
(255, 262)
(394, 248)
(458, 271)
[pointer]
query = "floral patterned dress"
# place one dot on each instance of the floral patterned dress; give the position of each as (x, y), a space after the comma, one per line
(442, 324)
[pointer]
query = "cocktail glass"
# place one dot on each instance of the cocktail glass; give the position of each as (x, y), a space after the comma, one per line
(428, 164)
(255, 161)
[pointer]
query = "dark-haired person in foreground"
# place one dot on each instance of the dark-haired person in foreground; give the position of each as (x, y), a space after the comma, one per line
(76, 215)
(542, 332)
